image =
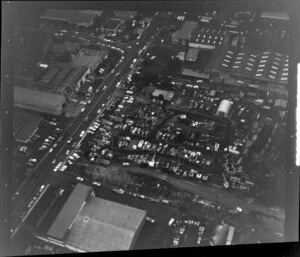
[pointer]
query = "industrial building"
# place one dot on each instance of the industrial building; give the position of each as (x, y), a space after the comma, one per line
(90, 224)
(75, 78)
(266, 66)
(224, 108)
(64, 82)
(208, 38)
(275, 15)
(84, 18)
(55, 86)
(89, 58)
(25, 125)
(184, 35)
(168, 95)
(49, 75)
(59, 78)
(192, 54)
(38, 101)
(195, 74)
(112, 25)
(125, 15)
(199, 37)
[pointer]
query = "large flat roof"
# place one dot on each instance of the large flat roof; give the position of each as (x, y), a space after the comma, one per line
(25, 125)
(186, 30)
(275, 15)
(88, 58)
(125, 14)
(69, 211)
(50, 74)
(192, 54)
(103, 225)
(79, 17)
(74, 75)
(112, 24)
(37, 100)
(61, 75)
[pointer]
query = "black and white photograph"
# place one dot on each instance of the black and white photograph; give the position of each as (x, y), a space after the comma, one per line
(131, 125)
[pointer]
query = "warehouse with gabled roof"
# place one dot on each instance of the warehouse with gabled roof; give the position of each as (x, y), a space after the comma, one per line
(90, 224)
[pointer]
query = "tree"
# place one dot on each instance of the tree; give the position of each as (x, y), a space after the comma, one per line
(161, 97)
(174, 65)
(144, 165)
(135, 78)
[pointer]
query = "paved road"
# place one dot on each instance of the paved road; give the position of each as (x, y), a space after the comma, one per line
(43, 171)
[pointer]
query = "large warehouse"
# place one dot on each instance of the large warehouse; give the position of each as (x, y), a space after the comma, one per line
(89, 58)
(38, 101)
(25, 125)
(90, 224)
(184, 35)
(83, 18)
(49, 94)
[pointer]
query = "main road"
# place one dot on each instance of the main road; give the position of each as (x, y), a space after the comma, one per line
(43, 172)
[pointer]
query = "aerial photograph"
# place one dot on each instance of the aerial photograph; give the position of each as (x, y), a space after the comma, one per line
(147, 129)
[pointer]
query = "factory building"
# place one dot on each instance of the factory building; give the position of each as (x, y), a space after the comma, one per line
(112, 25)
(38, 101)
(49, 75)
(83, 18)
(75, 78)
(275, 16)
(184, 35)
(25, 125)
(55, 87)
(125, 15)
(89, 58)
(192, 54)
(224, 108)
(207, 38)
(265, 66)
(90, 224)
(61, 76)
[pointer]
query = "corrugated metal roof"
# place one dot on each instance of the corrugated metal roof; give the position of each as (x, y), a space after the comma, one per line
(69, 211)
(74, 75)
(80, 17)
(49, 75)
(104, 225)
(62, 75)
(38, 101)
